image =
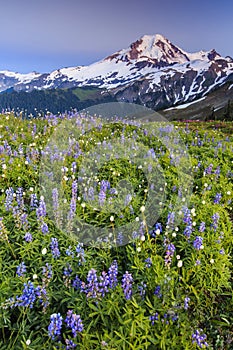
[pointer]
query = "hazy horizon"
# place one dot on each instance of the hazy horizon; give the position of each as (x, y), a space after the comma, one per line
(44, 36)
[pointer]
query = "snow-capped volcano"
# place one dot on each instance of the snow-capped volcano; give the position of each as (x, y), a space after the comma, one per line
(152, 71)
(154, 48)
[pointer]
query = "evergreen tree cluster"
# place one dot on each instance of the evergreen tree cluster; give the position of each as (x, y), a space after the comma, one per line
(54, 101)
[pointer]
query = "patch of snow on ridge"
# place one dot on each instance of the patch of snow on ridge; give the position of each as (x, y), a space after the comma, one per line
(186, 104)
(22, 78)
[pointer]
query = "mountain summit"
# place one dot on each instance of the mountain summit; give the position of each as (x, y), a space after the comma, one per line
(155, 48)
(152, 71)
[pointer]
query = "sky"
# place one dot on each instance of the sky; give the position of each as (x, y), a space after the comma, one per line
(45, 35)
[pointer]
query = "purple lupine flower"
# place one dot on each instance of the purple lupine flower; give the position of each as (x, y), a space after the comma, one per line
(128, 199)
(92, 288)
(180, 195)
(72, 211)
(188, 231)
(112, 274)
(19, 197)
(54, 328)
(120, 238)
(215, 219)
(28, 296)
(55, 200)
(74, 322)
(154, 318)
(208, 170)
(28, 237)
(77, 283)
(149, 168)
(142, 289)
(170, 219)
(47, 271)
(80, 253)
(157, 228)
(217, 171)
(103, 283)
(170, 250)
(198, 242)
(91, 193)
(202, 227)
(21, 269)
(104, 185)
(148, 262)
(199, 339)
(9, 199)
(24, 220)
(67, 270)
(217, 198)
(126, 285)
(74, 189)
(158, 292)
(44, 228)
(73, 167)
(70, 344)
(54, 247)
(187, 219)
(102, 197)
(42, 295)
(186, 303)
(33, 201)
(41, 210)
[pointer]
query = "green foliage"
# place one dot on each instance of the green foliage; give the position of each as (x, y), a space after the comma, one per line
(112, 321)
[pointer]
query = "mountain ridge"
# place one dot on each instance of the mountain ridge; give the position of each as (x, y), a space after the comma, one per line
(152, 71)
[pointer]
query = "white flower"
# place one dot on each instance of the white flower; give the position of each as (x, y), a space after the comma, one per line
(142, 208)
(180, 263)
(228, 193)
(4, 166)
(173, 234)
(28, 342)
(34, 276)
(44, 251)
(203, 202)
(178, 257)
(111, 218)
(211, 261)
(143, 238)
(83, 205)
(205, 184)
(139, 249)
(157, 231)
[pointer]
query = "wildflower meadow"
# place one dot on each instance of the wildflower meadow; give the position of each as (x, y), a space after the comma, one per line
(122, 241)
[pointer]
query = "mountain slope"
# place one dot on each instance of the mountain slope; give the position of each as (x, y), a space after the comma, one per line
(152, 71)
(215, 105)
